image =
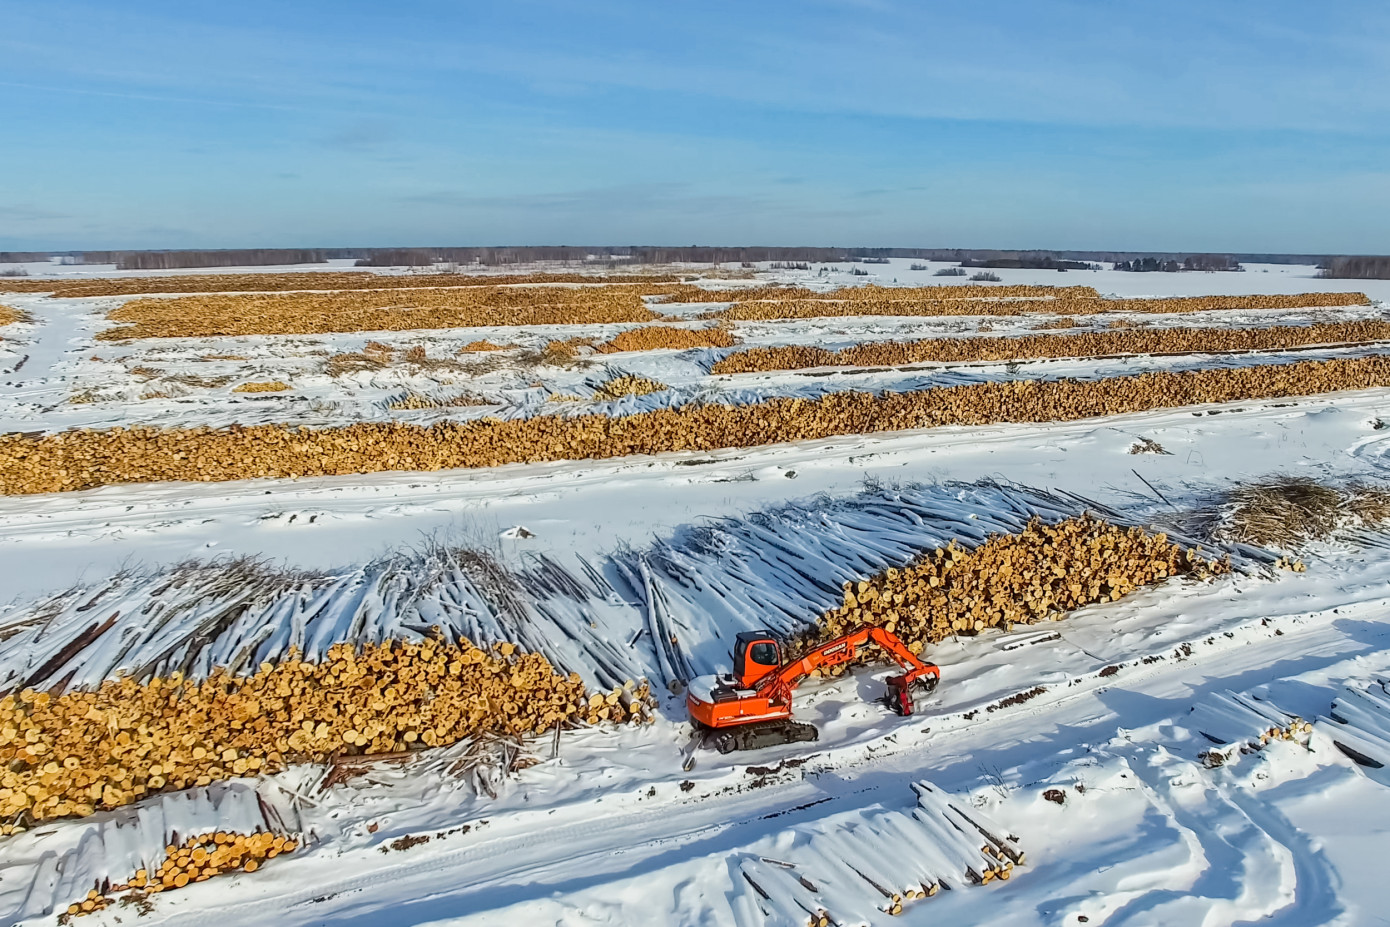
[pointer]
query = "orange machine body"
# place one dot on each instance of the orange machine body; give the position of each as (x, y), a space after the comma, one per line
(760, 688)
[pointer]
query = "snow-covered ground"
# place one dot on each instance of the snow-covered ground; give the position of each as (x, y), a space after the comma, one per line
(608, 828)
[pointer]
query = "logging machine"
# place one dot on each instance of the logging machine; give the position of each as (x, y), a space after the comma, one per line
(752, 708)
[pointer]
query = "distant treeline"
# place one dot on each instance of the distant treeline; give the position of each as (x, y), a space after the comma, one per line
(1357, 268)
(1172, 265)
(1031, 263)
(607, 255)
(258, 257)
(422, 257)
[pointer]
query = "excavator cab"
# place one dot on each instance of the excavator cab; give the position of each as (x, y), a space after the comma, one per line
(756, 653)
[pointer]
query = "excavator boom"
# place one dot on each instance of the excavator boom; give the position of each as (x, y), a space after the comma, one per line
(843, 650)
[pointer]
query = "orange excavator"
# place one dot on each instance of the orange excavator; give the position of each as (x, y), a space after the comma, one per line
(752, 708)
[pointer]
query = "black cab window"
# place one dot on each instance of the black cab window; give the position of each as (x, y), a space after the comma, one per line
(763, 653)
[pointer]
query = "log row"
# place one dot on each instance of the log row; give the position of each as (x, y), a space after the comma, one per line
(272, 282)
(689, 293)
(413, 401)
(661, 337)
(1027, 347)
(198, 316)
(81, 459)
(886, 303)
(1039, 574)
(274, 386)
(73, 753)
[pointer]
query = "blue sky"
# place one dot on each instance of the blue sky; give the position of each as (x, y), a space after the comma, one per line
(1224, 126)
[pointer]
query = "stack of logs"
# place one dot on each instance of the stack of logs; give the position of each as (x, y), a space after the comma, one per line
(895, 301)
(274, 386)
(197, 859)
(1294, 730)
(83, 459)
(1038, 574)
(71, 754)
(1088, 344)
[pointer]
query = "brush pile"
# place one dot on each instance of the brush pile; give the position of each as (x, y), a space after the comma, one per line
(272, 283)
(886, 301)
(71, 754)
(1038, 574)
(1089, 344)
(83, 459)
(626, 385)
(201, 316)
(1287, 512)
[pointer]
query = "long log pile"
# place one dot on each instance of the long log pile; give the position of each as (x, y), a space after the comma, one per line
(366, 310)
(273, 386)
(646, 338)
(657, 337)
(1087, 344)
(885, 301)
(272, 283)
(197, 859)
(1038, 574)
(83, 459)
(71, 754)
(689, 293)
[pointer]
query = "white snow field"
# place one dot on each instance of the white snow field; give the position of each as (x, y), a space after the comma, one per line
(1113, 767)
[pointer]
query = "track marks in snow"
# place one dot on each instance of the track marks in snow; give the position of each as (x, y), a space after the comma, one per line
(1239, 870)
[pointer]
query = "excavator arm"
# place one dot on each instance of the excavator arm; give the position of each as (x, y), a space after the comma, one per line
(780, 682)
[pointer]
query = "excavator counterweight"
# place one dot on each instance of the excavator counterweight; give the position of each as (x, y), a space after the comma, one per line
(752, 707)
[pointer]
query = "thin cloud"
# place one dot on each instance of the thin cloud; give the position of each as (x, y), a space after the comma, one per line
(360, 136)
(24, 212)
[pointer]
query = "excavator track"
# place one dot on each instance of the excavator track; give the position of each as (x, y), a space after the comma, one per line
(760, 734)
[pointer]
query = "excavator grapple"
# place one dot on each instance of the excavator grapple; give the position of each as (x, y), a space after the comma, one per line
(752, 707)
